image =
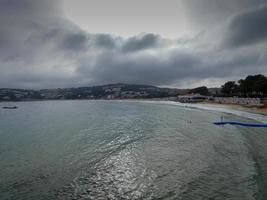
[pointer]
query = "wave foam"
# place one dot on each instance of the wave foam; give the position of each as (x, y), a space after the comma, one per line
(216, 108)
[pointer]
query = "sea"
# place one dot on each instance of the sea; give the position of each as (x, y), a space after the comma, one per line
(129, 150)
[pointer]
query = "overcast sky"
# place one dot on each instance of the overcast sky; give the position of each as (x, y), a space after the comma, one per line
(174, 43)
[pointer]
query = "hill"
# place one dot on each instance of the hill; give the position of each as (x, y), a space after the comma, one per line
(110, 91)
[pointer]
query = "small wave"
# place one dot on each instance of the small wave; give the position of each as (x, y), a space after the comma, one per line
(216, 108)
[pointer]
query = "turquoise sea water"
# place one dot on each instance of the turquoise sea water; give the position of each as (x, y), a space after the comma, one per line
(128, 150)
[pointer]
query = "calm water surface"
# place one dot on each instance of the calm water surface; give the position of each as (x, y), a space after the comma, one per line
(127, 150)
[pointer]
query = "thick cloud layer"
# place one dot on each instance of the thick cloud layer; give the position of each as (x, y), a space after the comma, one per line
(208, 13)
(39, 48)
(248, 28)
(140, 42)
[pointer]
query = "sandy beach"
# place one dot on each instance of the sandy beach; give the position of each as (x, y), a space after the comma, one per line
(262, 111)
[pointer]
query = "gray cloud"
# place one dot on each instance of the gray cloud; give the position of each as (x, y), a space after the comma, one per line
(105, 41)
(207, 13)
(75, 41)
(41, 49)
(112, 67)
(248, 28)
(171, 67)
(140, 42)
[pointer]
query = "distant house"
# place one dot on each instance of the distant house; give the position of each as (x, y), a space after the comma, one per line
(191, 98)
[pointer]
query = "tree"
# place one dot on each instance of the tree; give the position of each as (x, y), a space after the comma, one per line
(254, 85)
(200, 90)
(230, 88)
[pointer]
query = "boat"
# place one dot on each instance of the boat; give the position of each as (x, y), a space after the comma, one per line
(10, 107)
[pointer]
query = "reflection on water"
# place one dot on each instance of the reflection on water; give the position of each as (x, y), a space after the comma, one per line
(126, 150)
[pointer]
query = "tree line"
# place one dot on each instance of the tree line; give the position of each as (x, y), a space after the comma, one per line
(251, 86)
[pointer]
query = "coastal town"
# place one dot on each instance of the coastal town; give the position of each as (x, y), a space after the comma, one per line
(108, 92)
(230, 93)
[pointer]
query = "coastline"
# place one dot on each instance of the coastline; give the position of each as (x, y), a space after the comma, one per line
(258, 114)
(261, 111)
(249, 113)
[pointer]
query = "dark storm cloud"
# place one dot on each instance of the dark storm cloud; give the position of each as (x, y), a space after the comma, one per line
(39, 49)
(205, 13)
(171, 66)
(23, 24)
(248, 28)
(111, 67)
(140, 42)
(36, 7)
(105, 41)
(75, 41)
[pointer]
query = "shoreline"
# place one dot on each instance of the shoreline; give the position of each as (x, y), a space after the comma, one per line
(259, 114)
(261, 111)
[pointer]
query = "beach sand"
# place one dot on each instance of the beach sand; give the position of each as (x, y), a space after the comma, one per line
(262, 111)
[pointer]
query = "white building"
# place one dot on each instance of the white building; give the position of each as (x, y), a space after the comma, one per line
(191, 98)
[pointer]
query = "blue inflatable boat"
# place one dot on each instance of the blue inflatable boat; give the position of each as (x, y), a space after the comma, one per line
(241, 124)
